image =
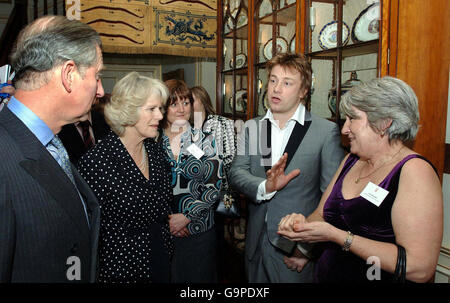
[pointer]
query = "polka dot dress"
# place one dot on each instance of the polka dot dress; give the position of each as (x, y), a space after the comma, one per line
(135, 242)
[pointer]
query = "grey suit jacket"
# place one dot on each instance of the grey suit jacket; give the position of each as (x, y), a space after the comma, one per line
(44, 234)
(318, 157)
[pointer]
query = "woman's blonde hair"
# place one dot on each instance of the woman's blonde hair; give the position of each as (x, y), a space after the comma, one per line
(129, 94)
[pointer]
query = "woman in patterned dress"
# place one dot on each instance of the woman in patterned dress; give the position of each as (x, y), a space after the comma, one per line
(222, 129)
(196, 175)
(130, 176)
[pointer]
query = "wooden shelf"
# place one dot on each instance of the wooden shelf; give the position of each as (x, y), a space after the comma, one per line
(239, 71)
(357, 49)
(327, 1)
(239, 33)
(284, 16)
(261, 64)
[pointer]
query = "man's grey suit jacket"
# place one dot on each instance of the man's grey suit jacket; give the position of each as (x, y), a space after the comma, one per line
(318, 156)
(44, 234)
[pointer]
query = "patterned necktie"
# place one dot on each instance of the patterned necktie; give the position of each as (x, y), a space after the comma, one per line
(58, 151)
(87, 138)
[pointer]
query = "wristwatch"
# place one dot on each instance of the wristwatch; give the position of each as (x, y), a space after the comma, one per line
(348, 241)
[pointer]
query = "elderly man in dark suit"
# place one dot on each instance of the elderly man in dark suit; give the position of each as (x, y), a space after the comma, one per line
(284, 162)
(49, 217)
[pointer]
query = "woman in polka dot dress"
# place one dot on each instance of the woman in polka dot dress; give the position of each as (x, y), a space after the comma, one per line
(197, 172)
(130, 176)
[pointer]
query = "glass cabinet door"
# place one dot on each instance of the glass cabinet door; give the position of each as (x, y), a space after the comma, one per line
(340, 37)
(340, 61)
(275, 23)
(235, 58)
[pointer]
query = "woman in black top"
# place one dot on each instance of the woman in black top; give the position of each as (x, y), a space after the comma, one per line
(129, 174)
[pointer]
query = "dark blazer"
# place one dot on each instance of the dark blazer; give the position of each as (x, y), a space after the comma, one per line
(72, 140)
(42, 221)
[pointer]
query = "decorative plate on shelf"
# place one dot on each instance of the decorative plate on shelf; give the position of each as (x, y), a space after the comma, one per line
(241, 60)
(281, 47)
(241, 100)
(367, 25)
(328, 35)
(292, 45)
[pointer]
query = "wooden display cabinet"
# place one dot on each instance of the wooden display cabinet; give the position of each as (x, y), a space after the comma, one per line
(412, 50)
(275, 28)
(246, 32)
(232, 58)
(252, 31)
(342, 40)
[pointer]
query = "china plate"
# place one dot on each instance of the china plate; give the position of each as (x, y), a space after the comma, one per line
(367, 25)
(241, 60)
(281, 47)
(328, 35)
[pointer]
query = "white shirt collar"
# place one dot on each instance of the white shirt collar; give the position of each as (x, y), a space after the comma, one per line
(298, 116)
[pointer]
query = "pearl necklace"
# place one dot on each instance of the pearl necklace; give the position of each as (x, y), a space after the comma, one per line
(144, 162)
(384, 163)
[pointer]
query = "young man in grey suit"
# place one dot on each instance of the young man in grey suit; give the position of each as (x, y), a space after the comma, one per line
(284, 163)
(49, 218)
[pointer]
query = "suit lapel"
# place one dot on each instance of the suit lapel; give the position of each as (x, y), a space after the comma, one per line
(265, 143)
(39, 163)
(99, 126)
(296, 138)
(53, 179)
(70, 132)
(92, 206)
(72, 141)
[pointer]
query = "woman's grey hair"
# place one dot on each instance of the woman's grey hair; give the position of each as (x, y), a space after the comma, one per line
(129, 94)
(47, 43)
(383, 100)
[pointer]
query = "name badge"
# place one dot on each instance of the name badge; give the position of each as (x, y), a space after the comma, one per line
(195, 151)
(374, 194)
